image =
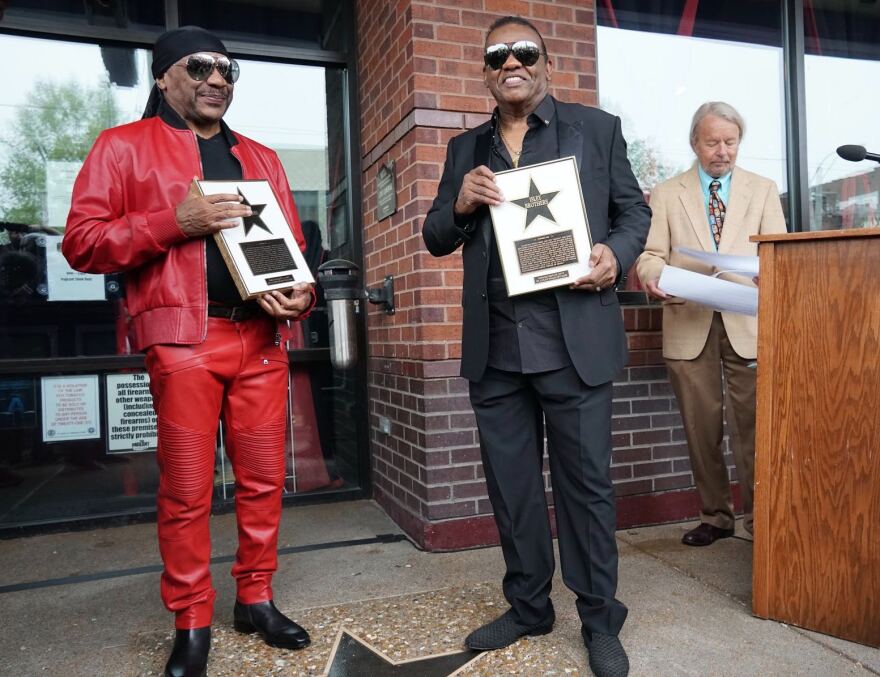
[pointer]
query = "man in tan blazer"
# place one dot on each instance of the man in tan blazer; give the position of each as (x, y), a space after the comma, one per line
(713, 207)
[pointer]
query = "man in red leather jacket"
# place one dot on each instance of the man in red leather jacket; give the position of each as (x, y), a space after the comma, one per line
(208, 353)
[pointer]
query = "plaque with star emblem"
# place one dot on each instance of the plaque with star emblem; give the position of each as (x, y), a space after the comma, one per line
(261, 252)
(541, 230)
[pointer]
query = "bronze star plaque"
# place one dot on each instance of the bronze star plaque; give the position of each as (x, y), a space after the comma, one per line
(353, 657)
(542, 232)
(262, 254)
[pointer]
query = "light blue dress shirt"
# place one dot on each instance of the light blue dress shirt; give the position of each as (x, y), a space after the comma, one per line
(723, 192)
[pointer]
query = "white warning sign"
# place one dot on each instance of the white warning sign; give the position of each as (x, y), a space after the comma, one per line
(70, 408)
(131, 420)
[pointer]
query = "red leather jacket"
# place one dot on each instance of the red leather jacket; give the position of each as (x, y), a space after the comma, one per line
(122, 219)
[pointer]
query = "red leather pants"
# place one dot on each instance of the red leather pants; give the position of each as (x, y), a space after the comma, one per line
(238, 372)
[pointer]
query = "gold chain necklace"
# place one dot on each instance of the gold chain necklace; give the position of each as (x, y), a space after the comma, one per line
(514, 154)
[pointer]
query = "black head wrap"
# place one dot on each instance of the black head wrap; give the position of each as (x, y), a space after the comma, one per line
(170, 47)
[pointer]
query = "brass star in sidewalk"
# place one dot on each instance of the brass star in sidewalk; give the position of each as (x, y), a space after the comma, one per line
(254, 219)
(536, 204)
(352, 657)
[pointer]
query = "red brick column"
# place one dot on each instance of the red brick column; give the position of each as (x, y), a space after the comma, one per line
(420, 84)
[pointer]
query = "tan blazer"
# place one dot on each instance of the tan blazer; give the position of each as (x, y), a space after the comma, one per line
(680, 220)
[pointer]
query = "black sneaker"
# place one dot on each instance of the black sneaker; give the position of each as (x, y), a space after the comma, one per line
(607, 656)
(505, 630)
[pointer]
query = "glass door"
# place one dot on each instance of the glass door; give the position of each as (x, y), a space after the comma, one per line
(75, 412)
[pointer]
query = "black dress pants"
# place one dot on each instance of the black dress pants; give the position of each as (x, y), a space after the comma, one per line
(510, 410)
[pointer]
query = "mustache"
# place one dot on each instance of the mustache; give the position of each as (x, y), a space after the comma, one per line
(211, 90)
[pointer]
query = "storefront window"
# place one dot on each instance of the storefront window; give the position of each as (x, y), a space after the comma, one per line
(842, 67)
(658, 64)
(54, 104)
(79, 433)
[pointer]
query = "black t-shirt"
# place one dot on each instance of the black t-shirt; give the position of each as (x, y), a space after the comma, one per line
(219, 164)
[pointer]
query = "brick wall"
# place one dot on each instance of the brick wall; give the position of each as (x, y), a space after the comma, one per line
(420, 84)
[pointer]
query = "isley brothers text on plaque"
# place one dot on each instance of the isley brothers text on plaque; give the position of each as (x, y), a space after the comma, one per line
(262, 254)
(542, 231)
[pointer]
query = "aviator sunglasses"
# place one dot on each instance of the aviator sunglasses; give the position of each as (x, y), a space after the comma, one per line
(200, 66)
(524, 51)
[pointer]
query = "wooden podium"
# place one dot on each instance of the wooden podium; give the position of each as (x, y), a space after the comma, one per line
(817, 464)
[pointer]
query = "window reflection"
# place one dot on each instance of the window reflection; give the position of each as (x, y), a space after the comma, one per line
(842, 66)
(52, 110)
(55, 102)
(52, 107)
(657, 112)
(686, 59)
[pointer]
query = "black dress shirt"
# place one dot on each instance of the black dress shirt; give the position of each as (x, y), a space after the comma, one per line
(218, 164)
(525, 334)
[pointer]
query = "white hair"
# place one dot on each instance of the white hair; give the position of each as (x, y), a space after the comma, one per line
(719, 109)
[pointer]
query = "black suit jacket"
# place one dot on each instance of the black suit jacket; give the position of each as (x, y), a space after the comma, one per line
(592, 325)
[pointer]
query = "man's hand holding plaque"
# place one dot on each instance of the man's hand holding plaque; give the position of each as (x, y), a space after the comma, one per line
(604, 270)
(199, 215)
(287, 306)
(477, 188)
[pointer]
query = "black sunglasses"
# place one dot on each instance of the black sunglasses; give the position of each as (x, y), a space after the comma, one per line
(524, 51)
(200, 66)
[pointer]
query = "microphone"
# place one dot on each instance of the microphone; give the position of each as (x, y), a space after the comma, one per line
(856, 153)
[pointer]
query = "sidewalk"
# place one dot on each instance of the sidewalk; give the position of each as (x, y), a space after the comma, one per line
(689, 607)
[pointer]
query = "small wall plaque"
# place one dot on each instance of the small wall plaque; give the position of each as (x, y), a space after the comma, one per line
(386, 191)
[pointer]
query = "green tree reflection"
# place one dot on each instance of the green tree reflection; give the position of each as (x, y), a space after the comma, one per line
(59, 121)
(648, 164)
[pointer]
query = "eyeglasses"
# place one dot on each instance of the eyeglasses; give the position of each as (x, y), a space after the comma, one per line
(200, 66)
(524, 51)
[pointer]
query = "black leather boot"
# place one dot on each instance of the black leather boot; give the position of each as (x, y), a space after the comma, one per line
(189, 655)
(274, 627)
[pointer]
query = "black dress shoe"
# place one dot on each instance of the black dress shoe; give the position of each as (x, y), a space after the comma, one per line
(607, 656)
(705, 534)
(274, 627)
(505, 630)
(189, 655)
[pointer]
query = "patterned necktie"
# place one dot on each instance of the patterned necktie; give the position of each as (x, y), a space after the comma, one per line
(716, 212)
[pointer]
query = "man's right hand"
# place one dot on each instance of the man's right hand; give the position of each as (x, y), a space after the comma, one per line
(200, 215)
(477, 188)
(655, 291)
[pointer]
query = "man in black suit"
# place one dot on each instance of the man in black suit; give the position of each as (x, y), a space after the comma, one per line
(547, 356)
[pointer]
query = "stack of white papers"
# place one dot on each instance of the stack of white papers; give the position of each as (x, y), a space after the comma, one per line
(707, 290)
